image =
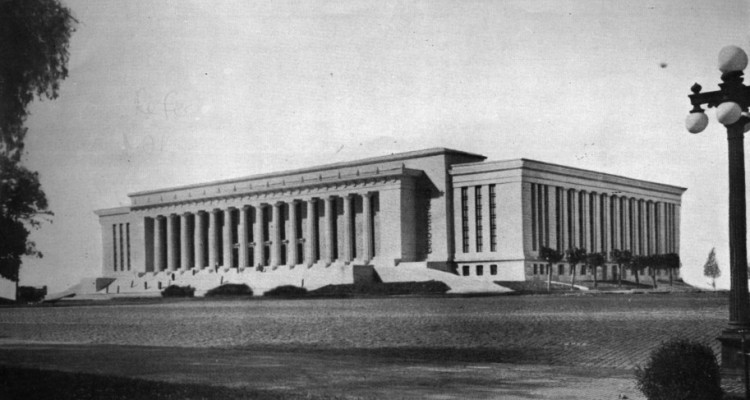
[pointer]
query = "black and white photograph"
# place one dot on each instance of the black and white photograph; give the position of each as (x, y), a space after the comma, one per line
(329, 199)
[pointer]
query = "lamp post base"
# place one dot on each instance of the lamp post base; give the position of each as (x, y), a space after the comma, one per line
(732, 360)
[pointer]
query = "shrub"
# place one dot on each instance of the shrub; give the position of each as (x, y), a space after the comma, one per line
(30, 294)
(382, 289)
(680, 369)
(286, 291)
(230, 289)
(178, 291)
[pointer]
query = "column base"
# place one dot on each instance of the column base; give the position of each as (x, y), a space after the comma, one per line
(732, 361)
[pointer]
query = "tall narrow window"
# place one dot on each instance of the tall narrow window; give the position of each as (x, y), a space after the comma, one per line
(478, 217)
(127, 242)
(493, 219)
(465, 219)
(114, 246)
(122, 264)
(534, 218)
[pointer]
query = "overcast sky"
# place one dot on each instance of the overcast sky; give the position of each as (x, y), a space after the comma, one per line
(165, 93)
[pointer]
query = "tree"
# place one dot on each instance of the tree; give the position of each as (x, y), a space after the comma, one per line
(711, 268)
(637, 263)
(672, 262)
(551, 256)
(34, 37)
(574, 257)
(655, 262)
(621, 257)
(594, 261)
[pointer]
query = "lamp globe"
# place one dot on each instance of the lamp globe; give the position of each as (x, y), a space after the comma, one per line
(728, 112)
(732, 58)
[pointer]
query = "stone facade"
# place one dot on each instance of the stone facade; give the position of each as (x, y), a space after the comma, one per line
(438, 208)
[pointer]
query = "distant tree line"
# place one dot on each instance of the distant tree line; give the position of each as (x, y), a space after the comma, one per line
(624, 259)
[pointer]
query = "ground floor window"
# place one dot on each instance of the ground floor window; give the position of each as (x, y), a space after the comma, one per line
(535, 270)
(560, 269)
(480, 270)
(493, 269)
(466, 270)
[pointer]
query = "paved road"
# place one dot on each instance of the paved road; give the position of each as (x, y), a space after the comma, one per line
(493, 347)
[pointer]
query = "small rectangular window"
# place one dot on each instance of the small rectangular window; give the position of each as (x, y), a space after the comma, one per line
(466, 270)
(535, 270)
(493, 269)
(560, 269)
(480, 270)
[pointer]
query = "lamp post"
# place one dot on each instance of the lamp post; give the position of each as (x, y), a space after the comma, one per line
(731, 102)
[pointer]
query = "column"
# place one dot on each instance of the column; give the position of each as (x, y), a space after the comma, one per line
(242, 238)
(676, 229)
(616, 223)
(184, 242)
(596, 244)
(606, 224)
(199, 245)
(329, 229)
(368, 245)
(213, 243)
(586, 228)
(260, 251)
(348, 228)
(227, 238)
(312, 235)
(650, 226)
(171, 243)
(626, 225)
(292, 234)
(574, 220)
(660, 231)
(565, 221)
(551, 192)
(158, 244)
(276, 234)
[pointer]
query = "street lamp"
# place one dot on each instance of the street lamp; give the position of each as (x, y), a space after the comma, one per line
(731, 102)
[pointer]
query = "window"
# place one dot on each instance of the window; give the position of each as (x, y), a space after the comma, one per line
(583, 270)
(127, 241)
(478, 217)
(493, 269)
(114, 246)
(466, 270)
(535, 270)
(560, 269)
(480, 270)
(493, 218)
(465, 219)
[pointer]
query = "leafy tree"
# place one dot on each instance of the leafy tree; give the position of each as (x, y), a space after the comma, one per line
(34, 36)
(672, 262)
(621, 257)
(637, 263)
(551, 256)
(711, 268)
(594, 261)
(574, 257)
(655, 262)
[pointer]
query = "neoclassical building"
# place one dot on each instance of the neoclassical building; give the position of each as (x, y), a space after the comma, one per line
(430, 214)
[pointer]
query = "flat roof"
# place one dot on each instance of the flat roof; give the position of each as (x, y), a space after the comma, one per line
(525, 163)
(371, 160)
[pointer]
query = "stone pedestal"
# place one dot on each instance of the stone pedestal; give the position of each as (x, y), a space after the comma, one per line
(732, 362)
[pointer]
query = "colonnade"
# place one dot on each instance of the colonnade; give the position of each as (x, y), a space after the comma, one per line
(327, 229)
(563, 218)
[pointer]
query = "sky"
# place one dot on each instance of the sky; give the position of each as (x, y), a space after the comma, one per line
(167, 93)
